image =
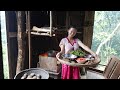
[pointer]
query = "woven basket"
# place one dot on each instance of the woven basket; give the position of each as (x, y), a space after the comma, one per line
(63, 61)
(44, 74)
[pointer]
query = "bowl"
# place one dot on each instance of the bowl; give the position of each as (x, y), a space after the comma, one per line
(52, 53)
(69, 56)
(81, 60)
(89, 57)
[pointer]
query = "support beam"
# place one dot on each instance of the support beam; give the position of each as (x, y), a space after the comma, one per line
(21, 41)
(88, 28)
(1, 57)
(29, 36)
(50, 23)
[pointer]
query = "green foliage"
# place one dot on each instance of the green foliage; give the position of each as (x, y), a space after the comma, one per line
(104, 23)
(78, 52)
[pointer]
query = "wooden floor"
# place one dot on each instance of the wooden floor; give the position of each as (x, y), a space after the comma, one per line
(88, 75)
(91, 75)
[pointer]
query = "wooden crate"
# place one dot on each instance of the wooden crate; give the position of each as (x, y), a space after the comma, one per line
(49, 63)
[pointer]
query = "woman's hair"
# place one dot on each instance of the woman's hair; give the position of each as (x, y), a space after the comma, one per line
(72, 27)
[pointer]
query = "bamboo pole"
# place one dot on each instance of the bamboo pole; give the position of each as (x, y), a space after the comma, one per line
(50, 23)
(29, 38)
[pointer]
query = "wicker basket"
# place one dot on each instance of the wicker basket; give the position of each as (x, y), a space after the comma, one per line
(65, 61)
(44, 74)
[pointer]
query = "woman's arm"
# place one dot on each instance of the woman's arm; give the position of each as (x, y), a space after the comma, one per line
(86, 48)
(62, 47)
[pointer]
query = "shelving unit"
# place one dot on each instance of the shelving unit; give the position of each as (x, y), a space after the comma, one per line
(44, 31)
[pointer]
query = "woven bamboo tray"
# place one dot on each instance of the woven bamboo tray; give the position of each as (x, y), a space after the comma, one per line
(91, 63)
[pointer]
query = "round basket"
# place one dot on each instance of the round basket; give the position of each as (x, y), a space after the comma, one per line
(63, 61)
(44, 74)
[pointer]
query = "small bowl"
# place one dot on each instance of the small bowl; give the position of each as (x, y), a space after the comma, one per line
(89, 56)
(81, 60)
(69, 56)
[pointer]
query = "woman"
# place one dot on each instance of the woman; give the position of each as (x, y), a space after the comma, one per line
(68, 44)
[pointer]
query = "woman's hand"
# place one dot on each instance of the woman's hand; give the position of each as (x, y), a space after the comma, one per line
(58, 54)
(96, 58)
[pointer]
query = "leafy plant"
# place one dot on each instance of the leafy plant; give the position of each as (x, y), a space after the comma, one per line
(78, 52)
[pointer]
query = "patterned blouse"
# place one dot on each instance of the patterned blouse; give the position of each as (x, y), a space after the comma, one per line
(68, 45)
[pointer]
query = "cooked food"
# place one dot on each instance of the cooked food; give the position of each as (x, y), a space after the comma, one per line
(31, 76)
(81, 60)
(38, 76)
(34, 77)
(24, 76)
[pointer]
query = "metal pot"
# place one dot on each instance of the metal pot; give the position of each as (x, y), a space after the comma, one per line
(52, 53)
(44, 74)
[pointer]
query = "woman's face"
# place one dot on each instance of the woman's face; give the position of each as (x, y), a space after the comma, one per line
(72, 32)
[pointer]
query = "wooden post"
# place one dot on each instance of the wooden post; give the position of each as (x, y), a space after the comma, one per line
(88, 28)
(29, 35)
(21, 43)
(29, 39)
(1, 57)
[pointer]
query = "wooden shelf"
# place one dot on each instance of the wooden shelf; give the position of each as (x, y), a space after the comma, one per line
(42, 34)
(46, 31)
